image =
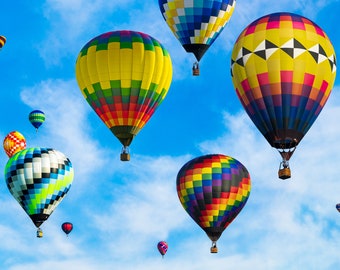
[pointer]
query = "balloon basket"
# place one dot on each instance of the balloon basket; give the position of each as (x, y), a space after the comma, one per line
(213, 249)
(125, 157)
(195, 69)
(39, 233)
(284, 173)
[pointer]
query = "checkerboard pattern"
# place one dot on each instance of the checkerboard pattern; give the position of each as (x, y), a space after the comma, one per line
(14, 142)
(196, 22)
(213, 189)
(283, 67)
(39, 178)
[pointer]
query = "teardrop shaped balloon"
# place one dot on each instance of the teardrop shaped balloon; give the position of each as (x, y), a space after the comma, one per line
(2, 41)
(213, 189)
(162, 247)
(67, 227)
(37, 118)
(39, 178)
(337, 206)
(196, 24)
(283, 68)
(124, 76)
(13, 143)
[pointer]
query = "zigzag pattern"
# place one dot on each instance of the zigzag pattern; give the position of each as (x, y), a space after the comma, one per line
(292, 47)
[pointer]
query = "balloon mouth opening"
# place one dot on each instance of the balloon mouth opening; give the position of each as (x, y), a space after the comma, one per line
(197, 49)
(39, 219)
(214, 233)
(285, 144)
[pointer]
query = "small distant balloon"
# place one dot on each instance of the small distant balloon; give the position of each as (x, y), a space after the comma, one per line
(2, 41)
(338, 207)
(37, 118)
(67, 227)
(162, 247)
(13, 143)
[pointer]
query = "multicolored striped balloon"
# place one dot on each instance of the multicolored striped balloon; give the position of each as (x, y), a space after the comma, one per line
(39, 178)
(283, 68)
(37, 118)
(14, 142)
(124, 76)
(213, 189)
(196, 24)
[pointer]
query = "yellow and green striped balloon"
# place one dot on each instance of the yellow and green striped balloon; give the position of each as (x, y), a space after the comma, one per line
(124, 76)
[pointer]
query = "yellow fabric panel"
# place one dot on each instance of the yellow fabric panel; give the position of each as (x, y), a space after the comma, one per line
(138, 61)
(159, 66)
(189, 184)
(91, 59)
(126, 67)
(85, 75)
(206, 170)
(102, 69)
(147, 75)
(114, 61)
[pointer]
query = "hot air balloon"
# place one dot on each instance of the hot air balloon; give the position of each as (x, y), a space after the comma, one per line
(124, 76)
(2, 41)
(67, 227)
(283, 68)
(39, 178)
(37, 118)
(337, 206)
(14, 142)
(196, 24)
(162, 247)
(213, 189)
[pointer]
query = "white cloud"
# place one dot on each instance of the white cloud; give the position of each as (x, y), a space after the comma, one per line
(67, 127)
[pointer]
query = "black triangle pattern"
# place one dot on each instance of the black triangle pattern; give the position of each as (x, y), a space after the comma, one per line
(317, 55)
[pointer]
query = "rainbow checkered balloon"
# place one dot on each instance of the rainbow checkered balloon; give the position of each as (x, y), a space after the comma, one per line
(213, 189)
(39, 178)
(124, 76)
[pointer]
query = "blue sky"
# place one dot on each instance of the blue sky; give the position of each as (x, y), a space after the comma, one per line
(121, 210)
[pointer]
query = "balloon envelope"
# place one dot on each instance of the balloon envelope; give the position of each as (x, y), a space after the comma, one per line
(2, 41)
(196, 24)
(37, 118)
(67, 227)
(124, 76)
(162, 247)
(283, 69)
(338, 207)
(13, 143)
(39, 178)
(213, 189)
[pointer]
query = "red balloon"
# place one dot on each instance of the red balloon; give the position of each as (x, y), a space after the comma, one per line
(67, 227)
(162, 247)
